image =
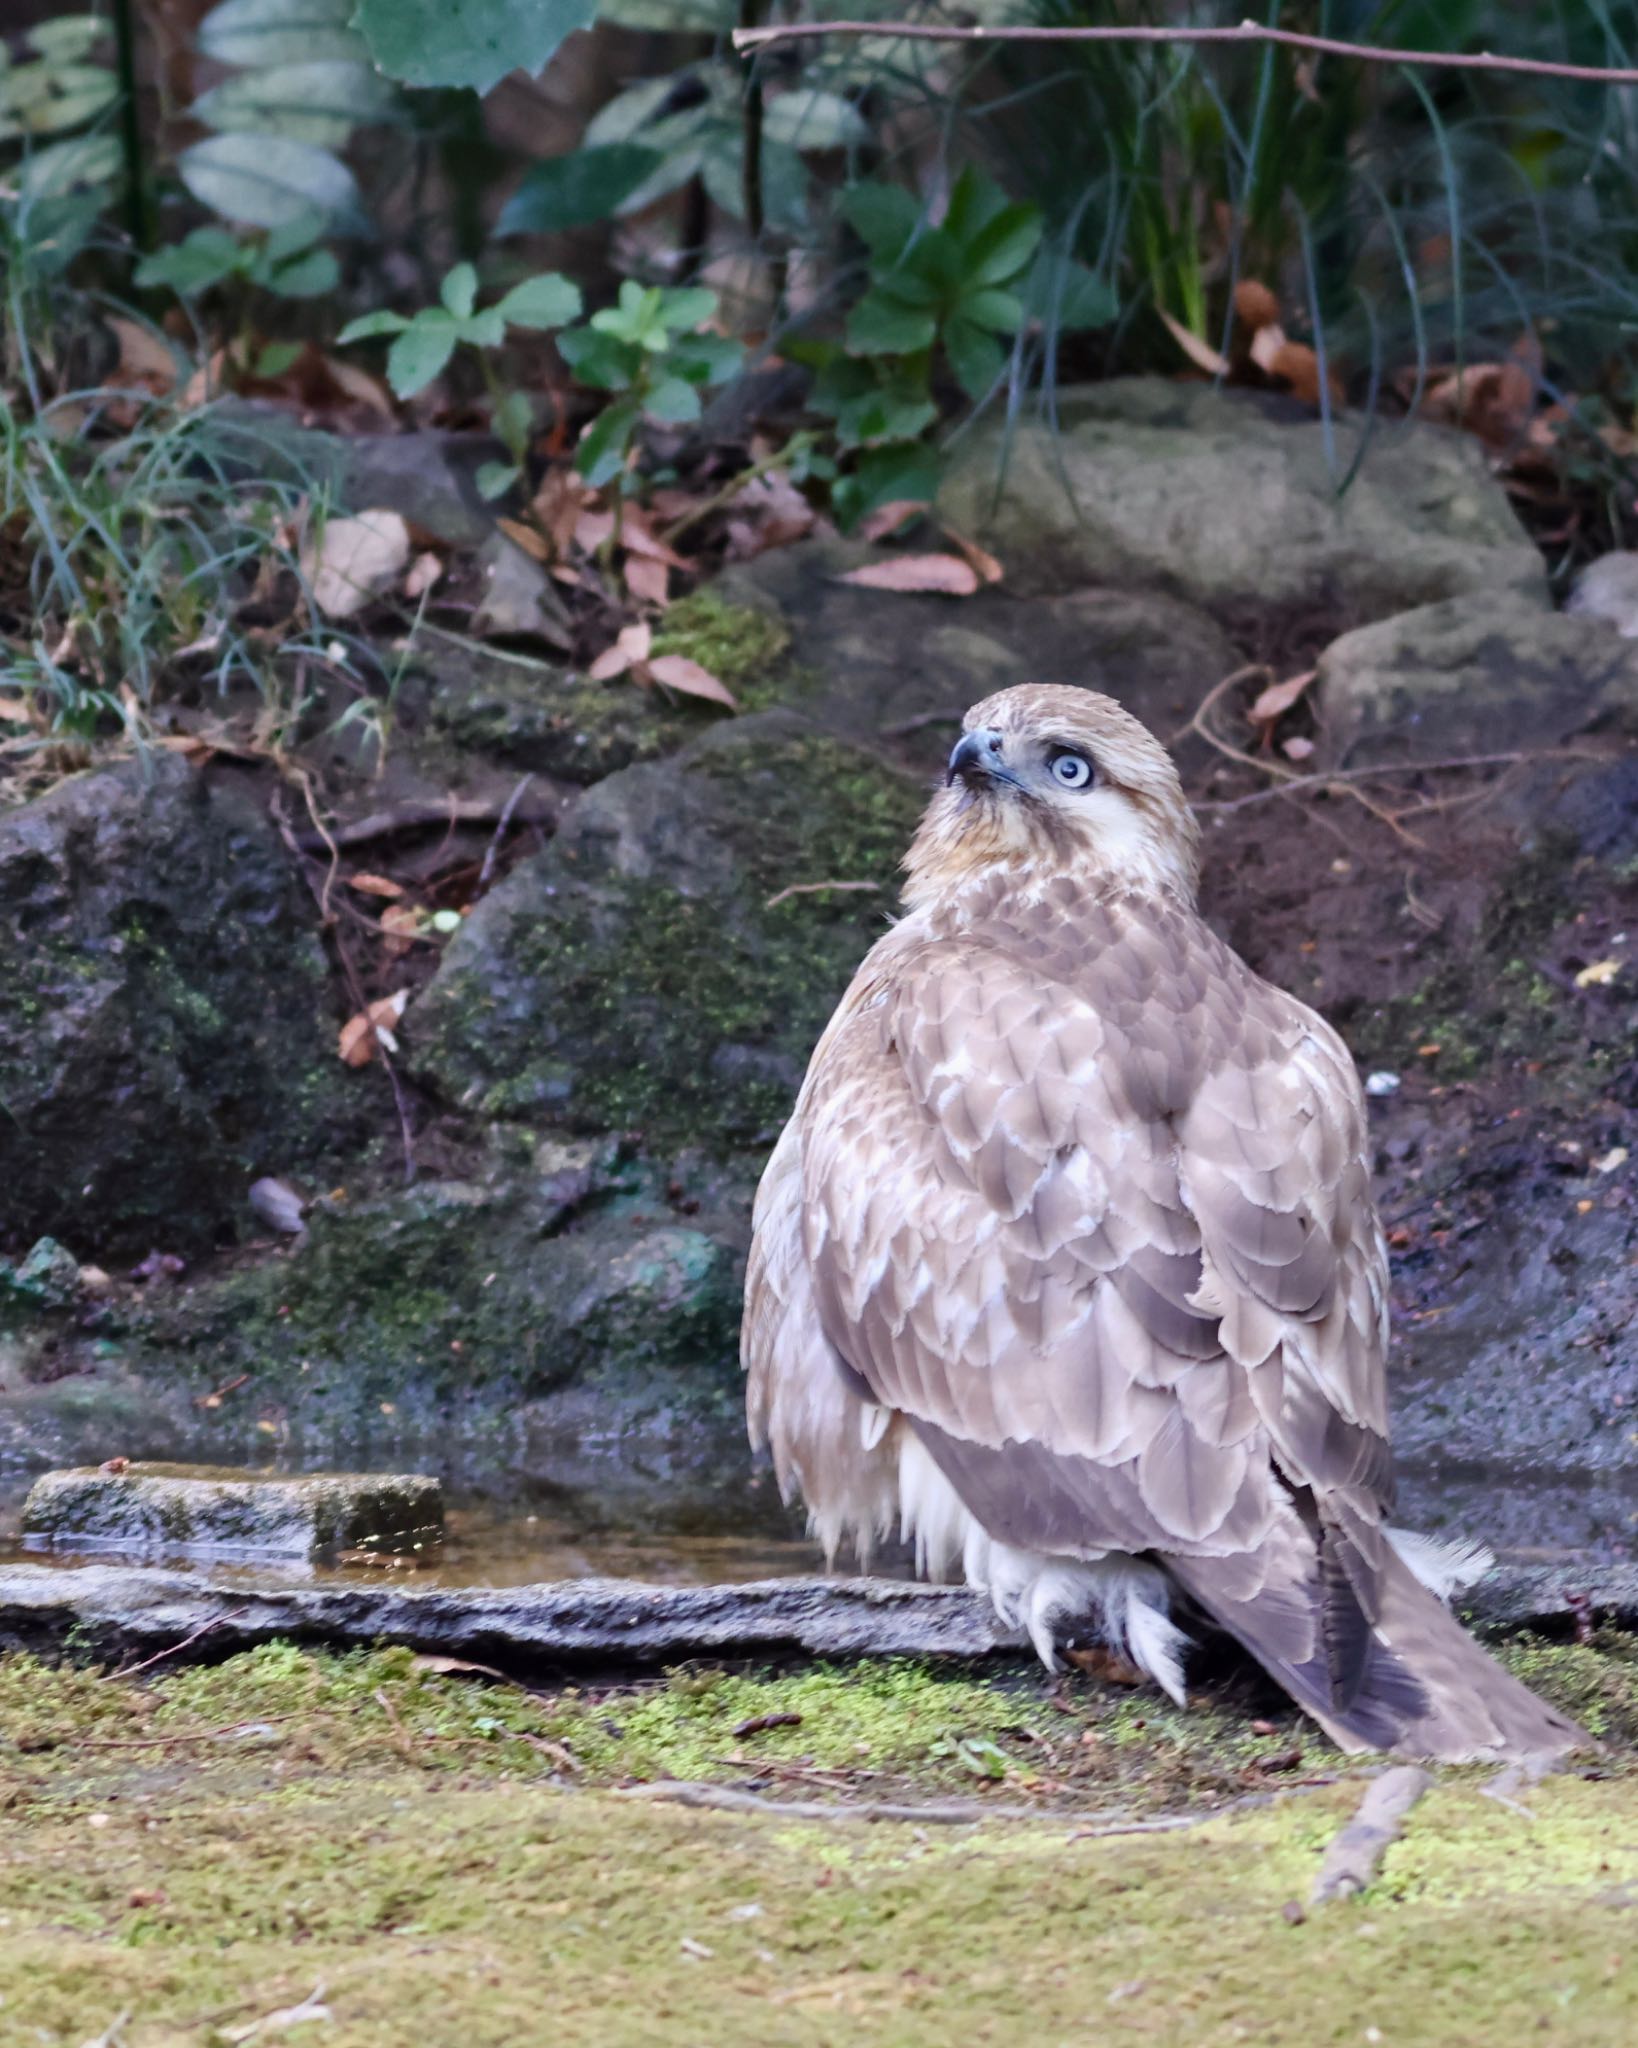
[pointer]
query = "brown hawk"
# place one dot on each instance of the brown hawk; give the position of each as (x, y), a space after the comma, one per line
(1067, 1262)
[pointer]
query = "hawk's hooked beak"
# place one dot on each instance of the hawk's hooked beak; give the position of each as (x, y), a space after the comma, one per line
(976, 759)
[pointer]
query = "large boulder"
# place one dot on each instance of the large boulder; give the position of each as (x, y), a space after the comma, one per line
(1233, 501)
(870, 662)
(166, 1033)
(1475, 674)
(666, 964)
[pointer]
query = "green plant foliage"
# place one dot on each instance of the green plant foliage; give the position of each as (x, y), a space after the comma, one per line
(570, 191)
(467, 42)
(652, 350)
(958, 294)
(284, 262)
(304, 82)
(424, 342)
(60, 87)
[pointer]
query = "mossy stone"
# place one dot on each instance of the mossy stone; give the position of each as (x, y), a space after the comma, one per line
(652, 969)
(166, 1031)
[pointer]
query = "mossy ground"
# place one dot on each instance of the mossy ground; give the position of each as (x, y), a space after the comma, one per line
(202, 1848)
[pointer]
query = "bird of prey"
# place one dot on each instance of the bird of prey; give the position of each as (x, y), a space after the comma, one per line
(1067, 1262)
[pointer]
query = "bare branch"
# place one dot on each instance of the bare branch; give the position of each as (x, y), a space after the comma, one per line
(1246, 34)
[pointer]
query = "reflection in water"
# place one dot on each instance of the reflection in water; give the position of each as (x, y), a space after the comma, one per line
(712, 1522)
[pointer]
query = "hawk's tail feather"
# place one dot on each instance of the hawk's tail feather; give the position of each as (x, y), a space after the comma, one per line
(1424, 1688)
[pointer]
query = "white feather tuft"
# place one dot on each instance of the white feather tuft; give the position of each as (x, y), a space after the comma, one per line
(1444, 1566)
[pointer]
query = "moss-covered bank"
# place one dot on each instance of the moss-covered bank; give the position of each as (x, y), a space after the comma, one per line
(435, 1852)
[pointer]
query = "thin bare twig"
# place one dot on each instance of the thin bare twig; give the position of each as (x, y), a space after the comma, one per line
(175, 1649)
(505, 819)
(815, 889)
(1242, 34)
(1292, 784)
(1352, 1858)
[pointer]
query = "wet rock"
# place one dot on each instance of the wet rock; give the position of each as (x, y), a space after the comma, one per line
(48, 1276)
(430, 478)
(1473, 675)
(1232, 500)
(579, 1287)
(151, 1510)
(550, 722)
(650, 970)
(862, 662)
(609, 1623)
(520, 601)
(165, 1023)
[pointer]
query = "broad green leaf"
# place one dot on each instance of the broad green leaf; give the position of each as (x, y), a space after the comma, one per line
(194, 264)
(634, 317)
(253, 33)
(459, 290)
(266, 180)
(311, 275)
(997, 312)
(570, 191)
(321, 102)
(64, 167)
(884, 475)
(467, 42)
(48, 99)
(492, 478)
(420, 352)
(1066, 295)
(601, 456)
(514, 418)
(977, 358)
(884, 217)
(69, 38)
(630, 115)
(1003, 246)
(277, 357)
(975, 201)
(367, 325)
(545, 301)
(483, 329)
(875, 416)
(880, 325)
(810, 119)
(294, 236)
(689, 307)
(599, 360)
(674, 401)
(705, 358)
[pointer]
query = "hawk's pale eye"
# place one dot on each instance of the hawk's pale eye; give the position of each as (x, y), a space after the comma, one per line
(1074, 771)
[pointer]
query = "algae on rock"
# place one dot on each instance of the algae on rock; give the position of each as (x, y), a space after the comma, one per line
(652, 970)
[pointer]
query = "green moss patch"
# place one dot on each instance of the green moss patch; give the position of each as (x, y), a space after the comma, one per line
(198, 1851)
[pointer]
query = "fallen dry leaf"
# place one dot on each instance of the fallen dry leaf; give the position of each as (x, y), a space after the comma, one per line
(14, 711)
(375, 885)
(144, 359)
(648, 580)
(988, 568)
(1278, 698)
(422, 575)
(638, 537)
(630, 647)
(1599, 974)
(562, 497)
(592, 528)
(949, 575)
(677, 672)
(1255, 304)
(355, 560)
(888, 518)
(770, 512)
(1200, 353)
(529, 538)
(363, 1033)
(206, 382)
(1297, 748)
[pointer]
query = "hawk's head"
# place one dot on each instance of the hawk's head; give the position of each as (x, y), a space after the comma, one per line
(1048, 780)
